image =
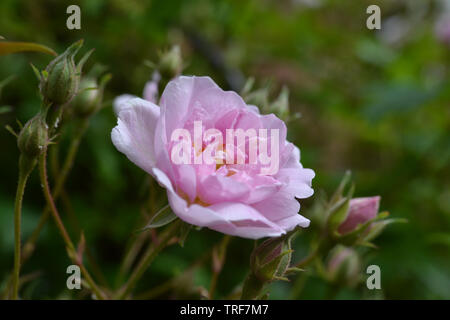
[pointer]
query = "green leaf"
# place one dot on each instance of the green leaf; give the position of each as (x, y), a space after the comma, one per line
(183, 232)
(5, 109)
(377, 227)
(4, 82)
(439, 238)
(36, 72)
(340, 190)
(338, 214)
(8, 47)
(161, 218)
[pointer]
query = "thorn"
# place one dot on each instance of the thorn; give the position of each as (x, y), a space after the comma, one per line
(19, 123)
(51, 140)
(294, 269)
(83, 60)
(36, 72)
(10, 130)
(281, 278)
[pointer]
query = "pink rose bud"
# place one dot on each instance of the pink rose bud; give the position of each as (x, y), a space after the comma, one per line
(344, 266)
(268, 262)
(360, 211)
(442, 29)
(151, 88)
(171, 63)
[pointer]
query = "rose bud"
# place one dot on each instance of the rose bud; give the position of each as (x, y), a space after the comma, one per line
(90, 96)
(281, 105)
(170, 64)
(361, 210)
(343, 267)
(33, 137)
(60, 79)
(86, 99)
(442, 29)
(151, 88)
(269, 261)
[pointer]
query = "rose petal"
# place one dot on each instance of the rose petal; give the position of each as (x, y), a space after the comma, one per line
(135, 131)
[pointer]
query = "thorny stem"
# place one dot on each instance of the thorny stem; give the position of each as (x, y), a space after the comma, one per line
(54, 211)
(147, 259)
(96, 271)
(186, 275)
(25, 167)
(137, 243)
(252, 288)
(218, 257)
(60, 181)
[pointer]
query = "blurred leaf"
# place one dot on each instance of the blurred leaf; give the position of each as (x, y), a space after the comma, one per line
(183, 232)
(439, 238)
(5, 109)
(338, 214)
(8, 47)
(4, 82)
(161, 218)
(374, 52)
(390, 98)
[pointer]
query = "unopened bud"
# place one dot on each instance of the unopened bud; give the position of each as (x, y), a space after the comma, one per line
(33, 137)
(170, 64)
(361, 210)
(344, 266)
(60, 79)
(86, 101)
(271, 259)
(280, 106)
(268, 262)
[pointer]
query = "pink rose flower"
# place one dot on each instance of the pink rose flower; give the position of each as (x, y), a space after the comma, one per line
(361, 210)
(234, 199)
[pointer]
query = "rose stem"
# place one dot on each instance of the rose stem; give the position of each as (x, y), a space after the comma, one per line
(54, 211)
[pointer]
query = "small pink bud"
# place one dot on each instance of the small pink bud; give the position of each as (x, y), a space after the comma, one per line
(360, 211)
(151, 88)
(442, 29)
(344, 266)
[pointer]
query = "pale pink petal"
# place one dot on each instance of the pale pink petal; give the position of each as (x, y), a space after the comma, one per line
(135, 132)
(360, 211)
(249, 222)
(177, 98)
(121, 101)
(217, 188)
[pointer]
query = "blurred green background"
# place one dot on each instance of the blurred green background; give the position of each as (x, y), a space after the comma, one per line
(375, 102)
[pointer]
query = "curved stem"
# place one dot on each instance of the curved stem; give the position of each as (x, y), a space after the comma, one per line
(25, 167)
(59, 185)
(218, 259)
(323, 245)
(307, 259)
(148, 258)
(54, 211)
(252, 287)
